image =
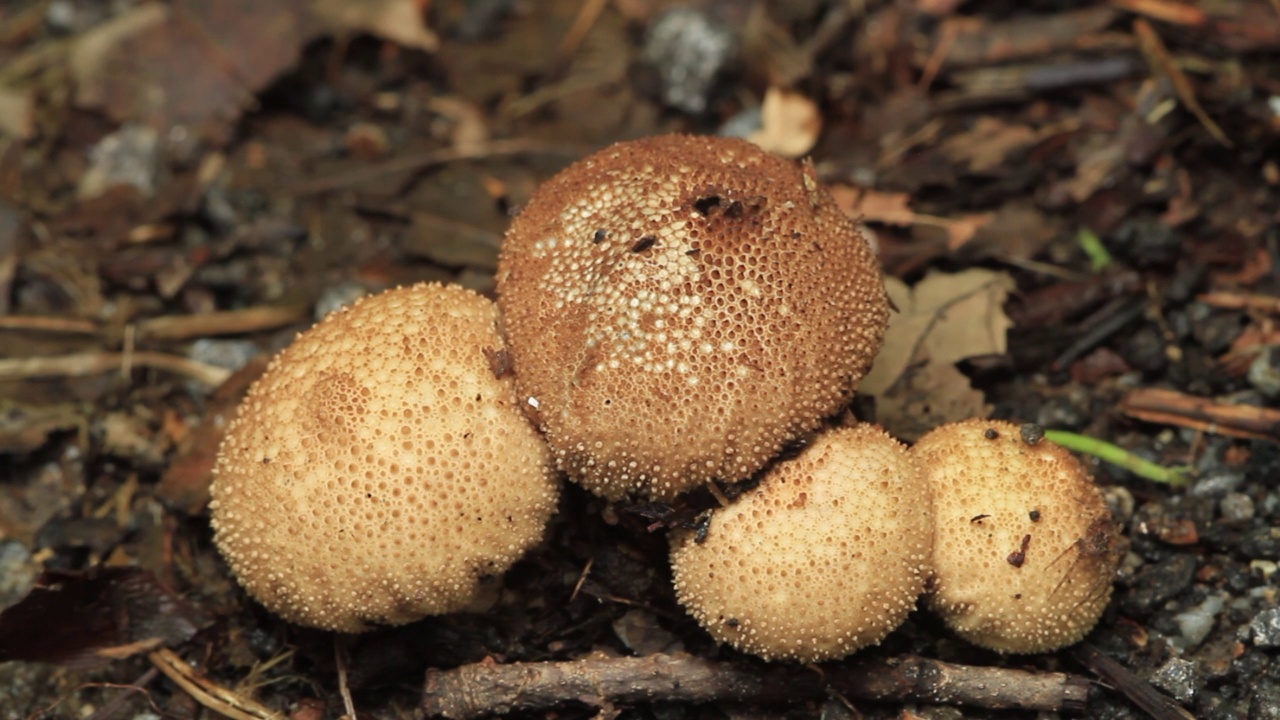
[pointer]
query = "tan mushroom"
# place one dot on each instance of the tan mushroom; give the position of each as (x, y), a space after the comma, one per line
(1025, 549)
(678, 308)
(379, 468)
(827, 555)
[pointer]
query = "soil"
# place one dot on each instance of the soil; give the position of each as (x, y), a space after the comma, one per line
(1092, 189)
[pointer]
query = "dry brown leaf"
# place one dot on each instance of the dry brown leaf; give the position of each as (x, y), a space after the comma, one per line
(892, 209)
(398, 21)
(791, 123)
(944, 319)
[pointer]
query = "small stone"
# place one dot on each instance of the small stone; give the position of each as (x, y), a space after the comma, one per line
(1236, 507)
(689, 50)
(1196, 623)
(1265, 628)
(1262, 542)
(1264, 372)
(1154, 584)
(1178, 677)
(1264, 703)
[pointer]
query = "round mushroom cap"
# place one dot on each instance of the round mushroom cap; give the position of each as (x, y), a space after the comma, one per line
(1024, 548)
(827, 555)
(379, 468)
(679, 308)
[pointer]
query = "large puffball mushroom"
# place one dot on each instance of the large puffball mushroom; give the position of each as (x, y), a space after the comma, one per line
(827, 555)
(380, 467)
(679, 308)
(1025, 549)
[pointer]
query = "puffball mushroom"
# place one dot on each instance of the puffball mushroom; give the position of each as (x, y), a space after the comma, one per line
(678, 308)
(1024, 548)
(379, 467)
(827, 555)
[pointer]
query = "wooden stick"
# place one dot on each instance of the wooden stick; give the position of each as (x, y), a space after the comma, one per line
(1170, 407)
(489, 688)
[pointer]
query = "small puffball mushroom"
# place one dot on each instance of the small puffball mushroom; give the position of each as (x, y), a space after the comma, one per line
(380, 467)
(1024, 548)
(679, 308)
(827, 555)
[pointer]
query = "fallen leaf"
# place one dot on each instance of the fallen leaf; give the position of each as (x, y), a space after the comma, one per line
(399, 21)
(944, 319)
(893, 209)
(790, 123)
(187, 64)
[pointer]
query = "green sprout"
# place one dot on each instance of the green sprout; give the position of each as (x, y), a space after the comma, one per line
(1092, 245)
(1118, 456)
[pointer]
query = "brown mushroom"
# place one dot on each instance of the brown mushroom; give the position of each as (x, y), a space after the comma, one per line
(678, 308)
(379, 468)
(827, 555)
(1024, 549)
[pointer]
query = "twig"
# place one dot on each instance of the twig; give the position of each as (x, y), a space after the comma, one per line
(1170, 407)
(49, 324)
(94, 363)
(488, 688)
(228, 322)
(1241, 301)
(1162, 62)
(1138, 691)
(208, 693)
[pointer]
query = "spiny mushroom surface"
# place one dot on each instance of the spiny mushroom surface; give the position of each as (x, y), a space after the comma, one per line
(827, 555)
(379, 467)
(1024, 549)
(678, 308)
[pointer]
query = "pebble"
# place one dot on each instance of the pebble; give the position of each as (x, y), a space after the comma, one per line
(1196, 623)
(1178, 677)
(1264, 372)
(1264, 703)
(1265, 628)
(1217, 484)
(1158, 582)
(689, 50)
(1262, 542)
(1236, 507)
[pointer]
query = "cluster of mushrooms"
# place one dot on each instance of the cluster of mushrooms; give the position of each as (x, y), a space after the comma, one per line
(672, 312)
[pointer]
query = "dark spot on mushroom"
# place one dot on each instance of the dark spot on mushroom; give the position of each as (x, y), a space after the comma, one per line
(1035, 515)
(732, 622)
(706, 204)
(644, 243)
(1018, 557)
(499, 362)
(979, 518)
(991, 434)
(1032, 433)
(599, 237)
(734, 210)
(693, 251)
(702, 527)
(266, 461)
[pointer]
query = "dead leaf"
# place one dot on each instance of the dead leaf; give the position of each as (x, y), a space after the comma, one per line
(398, 21)
(17, 113)
(186, 64)
(944, 319)
(791, 123)
(892, 209)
